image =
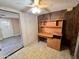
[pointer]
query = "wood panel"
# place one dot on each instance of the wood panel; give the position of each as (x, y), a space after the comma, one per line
(54, 43)
(72, 27)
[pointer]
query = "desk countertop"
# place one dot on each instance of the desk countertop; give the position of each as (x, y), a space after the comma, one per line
(45, 35)
(48, 34)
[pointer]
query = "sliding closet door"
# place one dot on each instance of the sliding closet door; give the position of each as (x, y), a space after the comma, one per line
(6, 28)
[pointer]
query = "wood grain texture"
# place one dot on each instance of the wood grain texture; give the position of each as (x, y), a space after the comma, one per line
(54, 43)
(72, 27)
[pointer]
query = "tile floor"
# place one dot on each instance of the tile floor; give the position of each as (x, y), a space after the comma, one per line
(40, 51)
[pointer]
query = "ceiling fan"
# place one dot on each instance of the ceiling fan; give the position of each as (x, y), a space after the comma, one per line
(37, 6)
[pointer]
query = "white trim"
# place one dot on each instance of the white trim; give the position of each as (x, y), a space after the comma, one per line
(76, 49)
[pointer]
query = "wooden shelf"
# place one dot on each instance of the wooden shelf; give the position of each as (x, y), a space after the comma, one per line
(49, 20)
(50, 27)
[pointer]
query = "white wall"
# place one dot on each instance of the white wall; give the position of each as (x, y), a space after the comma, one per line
(29, 26)
(16, 27)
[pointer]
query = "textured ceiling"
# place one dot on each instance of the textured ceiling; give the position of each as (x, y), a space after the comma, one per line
(54, 5)
(7, 14)
(15, 4)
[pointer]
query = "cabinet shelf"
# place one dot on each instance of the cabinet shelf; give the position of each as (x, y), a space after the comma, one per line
(50, 20)
(50, 27)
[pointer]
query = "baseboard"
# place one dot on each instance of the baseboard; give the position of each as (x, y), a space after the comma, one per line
(34, 41)
(13, 52)
(11, 36)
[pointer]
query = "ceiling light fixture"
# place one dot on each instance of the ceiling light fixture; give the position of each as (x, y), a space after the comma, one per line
(36, 10)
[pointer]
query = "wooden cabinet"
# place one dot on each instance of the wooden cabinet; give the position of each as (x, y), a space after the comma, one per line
(49, 25)
(54, 43)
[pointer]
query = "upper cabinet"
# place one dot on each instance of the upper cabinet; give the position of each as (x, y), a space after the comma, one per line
(53, 16)
(51, 22)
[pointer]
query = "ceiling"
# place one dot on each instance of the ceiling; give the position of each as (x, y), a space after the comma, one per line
(15, 4)
(7, 14)
(54, 5)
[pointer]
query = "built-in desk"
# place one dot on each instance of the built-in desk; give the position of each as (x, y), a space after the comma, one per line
(50, 27)
(53, 42)
(45, 35)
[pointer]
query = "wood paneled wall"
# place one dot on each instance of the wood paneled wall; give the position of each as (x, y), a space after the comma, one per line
(71, 27)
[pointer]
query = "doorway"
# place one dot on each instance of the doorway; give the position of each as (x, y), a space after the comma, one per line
(10, 33)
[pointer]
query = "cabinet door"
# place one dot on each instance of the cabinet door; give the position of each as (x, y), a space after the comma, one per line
(54, 43)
